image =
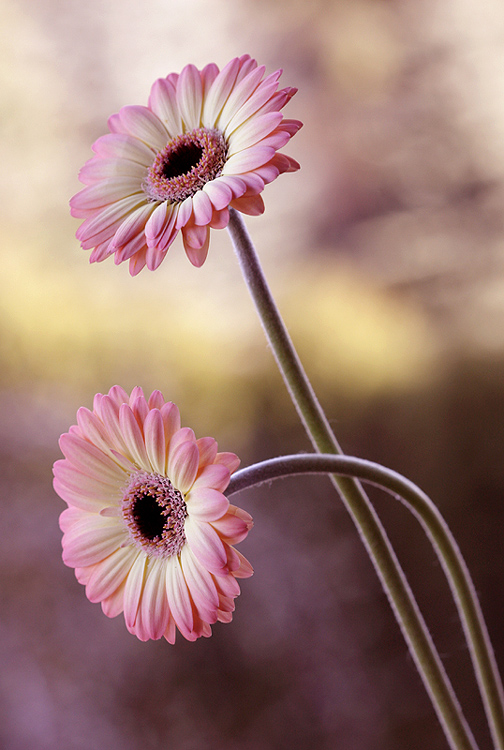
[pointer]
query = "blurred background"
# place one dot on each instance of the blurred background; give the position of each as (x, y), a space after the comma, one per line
(386, 256)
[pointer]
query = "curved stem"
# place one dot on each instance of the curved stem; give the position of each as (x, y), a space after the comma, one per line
(372, 533)
(442, 539)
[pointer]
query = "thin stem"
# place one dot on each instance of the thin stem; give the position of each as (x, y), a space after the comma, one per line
(368, 524)
(442, 539)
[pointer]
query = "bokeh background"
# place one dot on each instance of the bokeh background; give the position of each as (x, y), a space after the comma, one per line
(386, 255)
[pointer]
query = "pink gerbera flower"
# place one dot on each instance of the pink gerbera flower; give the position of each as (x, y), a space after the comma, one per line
(206, 141)
(147, 527)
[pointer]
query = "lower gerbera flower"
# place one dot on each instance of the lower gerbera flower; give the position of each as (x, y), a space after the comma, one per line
(147, 527)
(206, 141)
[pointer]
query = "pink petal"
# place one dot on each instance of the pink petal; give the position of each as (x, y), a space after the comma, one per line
(252, 205)
(189, 96)
(70, 516)
(138, 404)
(219, 193)
(153, 612)
(202, 208)
(245, 161)
(260, 96)
(201, 586)
(110, 417)
(234, 526)
(215, 476)
(155, 441)
(227, 587)
(133, 590)
(113, 605)
(98, 169)
(290, 126)
(267, 173)
(220, 219)
(132, 226)
(119, 146)
(208, 76)
(197, 255)
(245, 570)
(104, 193)
(91, 540)
(102, 226)
(131, 249)
(110, 574)
(253, 131)
(230, 460)
(171, 631)
(145, 125)
(207, 447)
(195, 236)
(138, 262)
(247, 64)
(156, 400)
(206, 544)
(205, 504)
(101, 252)
(171, 421)
(163, 102)
(183, 465)
(219, 92)
(89, 459)
(133, 437)
(118, 396)
(178, 597)
(240, 94)
(81, 490)
(184, 212)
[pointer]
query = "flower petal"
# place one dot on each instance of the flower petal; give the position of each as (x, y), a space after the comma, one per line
(91, 539)
(163, 102)
(206, 504)
(215, 476)
(133, 437)
(207, 545)
(153, 612)
(183, 465)
(109, 574)
(189, 96)
(178, 597)
(143, 124)
(155, 442)
(133, 590)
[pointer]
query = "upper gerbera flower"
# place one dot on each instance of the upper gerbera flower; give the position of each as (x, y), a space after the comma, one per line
(206, 141)
(147, 527)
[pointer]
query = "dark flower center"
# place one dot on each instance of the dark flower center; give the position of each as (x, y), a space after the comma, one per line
(154, 512)
(182, 160)
(148, 517)
(185, 165)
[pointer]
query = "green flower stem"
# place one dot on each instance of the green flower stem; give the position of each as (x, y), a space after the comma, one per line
(446, 547)
(370, 528)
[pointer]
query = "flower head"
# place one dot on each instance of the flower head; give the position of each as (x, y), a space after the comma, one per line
(147, 527)
(206, 141)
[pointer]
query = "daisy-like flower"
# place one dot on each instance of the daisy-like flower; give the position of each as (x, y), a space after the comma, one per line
(206, 141)
(147, 527)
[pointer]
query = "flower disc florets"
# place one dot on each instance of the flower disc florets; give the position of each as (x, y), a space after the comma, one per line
(207, 141)
(155, 514)
(185, 165)
(148, 528)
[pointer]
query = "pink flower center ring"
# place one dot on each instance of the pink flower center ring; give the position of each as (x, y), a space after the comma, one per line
(185, 165)
(155, 512)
